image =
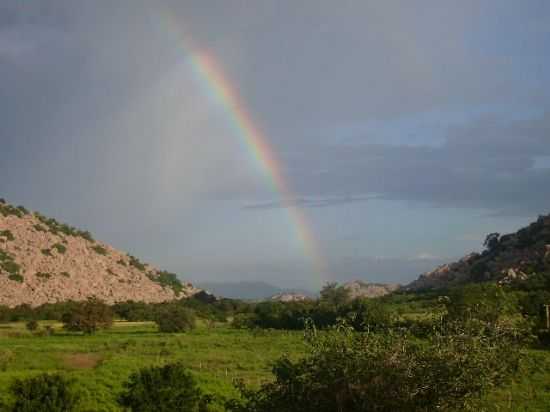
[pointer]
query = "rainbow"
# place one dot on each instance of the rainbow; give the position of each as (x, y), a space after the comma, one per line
(213, 81)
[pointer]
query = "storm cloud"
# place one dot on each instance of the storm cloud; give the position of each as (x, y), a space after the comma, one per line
(404, 131)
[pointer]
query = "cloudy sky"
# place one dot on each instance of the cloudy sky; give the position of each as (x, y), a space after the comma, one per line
(406, 132)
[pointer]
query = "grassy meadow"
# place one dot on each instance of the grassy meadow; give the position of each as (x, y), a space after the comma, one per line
(216, 354)
(102, 362)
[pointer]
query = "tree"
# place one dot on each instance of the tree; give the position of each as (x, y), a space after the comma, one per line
(175, 318)
(166, 388)
(492, 241)
(47, 393)
(88, 317)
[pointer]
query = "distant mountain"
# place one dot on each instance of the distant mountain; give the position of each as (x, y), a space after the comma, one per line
(44, 261)
(510, 258)
(248, 290)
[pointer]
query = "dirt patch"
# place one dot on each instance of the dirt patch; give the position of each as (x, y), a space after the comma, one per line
(81, 360)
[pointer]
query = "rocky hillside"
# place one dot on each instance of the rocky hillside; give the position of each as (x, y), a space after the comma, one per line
(289, 297)
(42, 260)
(359, 289)
(510, 258)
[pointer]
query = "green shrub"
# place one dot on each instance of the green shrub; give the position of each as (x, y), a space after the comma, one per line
(31, 325)
(166, 388)
(134, 261)
(9, 210)
(66, 274)
(16, 277)
(173, 318)
(167, 279)
(350, 371)
(7, 234)
(46, 393)
(46, 252)
(60, 248)
(43, 275)
(100, 250)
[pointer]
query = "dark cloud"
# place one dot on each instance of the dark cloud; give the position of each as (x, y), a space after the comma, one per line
(487, 164)
(309, 202)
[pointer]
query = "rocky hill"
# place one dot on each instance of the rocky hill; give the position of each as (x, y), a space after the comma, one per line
(360, 289)
(510, 258)
(289, 297)
(44, 261)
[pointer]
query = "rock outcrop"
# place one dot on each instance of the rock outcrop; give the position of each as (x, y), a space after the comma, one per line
(359, 289)
(510, 258)
(44, 261)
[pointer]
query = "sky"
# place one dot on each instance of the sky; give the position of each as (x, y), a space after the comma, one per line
(395, 135)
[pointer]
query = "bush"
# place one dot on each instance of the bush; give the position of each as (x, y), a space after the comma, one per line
(88, 317)
(174, 318)
(100, 250)
(47, 393)
(60, 248)
(31, 325)
(162, 389)
(350, 371)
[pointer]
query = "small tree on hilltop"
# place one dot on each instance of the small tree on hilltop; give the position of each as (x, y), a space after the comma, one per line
(175, 318)
(88, 317)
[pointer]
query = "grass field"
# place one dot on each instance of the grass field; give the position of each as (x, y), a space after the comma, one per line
(101, 363)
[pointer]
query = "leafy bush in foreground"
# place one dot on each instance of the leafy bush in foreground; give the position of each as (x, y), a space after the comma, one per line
(350, 371)
(47, 393)
(168, 388)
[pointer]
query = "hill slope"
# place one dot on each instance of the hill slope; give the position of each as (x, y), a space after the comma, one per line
(510, 258)
(44, 261)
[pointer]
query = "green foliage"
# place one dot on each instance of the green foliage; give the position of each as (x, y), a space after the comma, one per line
(57, 228)
(8, 264)
(175, 318)
(485, 301)
(121, 262)
(43, 275)
(65, 274)
(47, 393)
(163, 389)
(88, 317)
(349, 371)
(47, 252)
(167, 279)
(60, 248)
(31, 325)
(40, 228)
(134, 261)
(370, 315)
(9, 210)
(100, 250)
(16, 277)
(335, 295)
(8, 235)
